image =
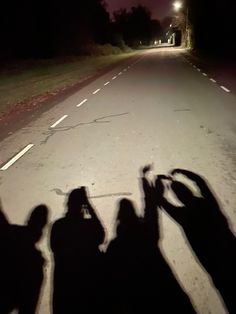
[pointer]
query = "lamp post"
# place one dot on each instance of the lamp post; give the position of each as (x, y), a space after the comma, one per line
(178, 6)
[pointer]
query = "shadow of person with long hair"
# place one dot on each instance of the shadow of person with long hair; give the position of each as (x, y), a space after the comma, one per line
(139, 279)
(21, 264)
(207, 231)
(124, 256)
(75, 241)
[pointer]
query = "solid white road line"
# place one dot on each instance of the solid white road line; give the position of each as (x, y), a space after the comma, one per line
(59, 121)
(214, 81)
(82, 102)
(225, 89)
(16, 157)
(96, 91)
(106, 83)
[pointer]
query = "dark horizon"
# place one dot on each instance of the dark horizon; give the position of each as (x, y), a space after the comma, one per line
(69, 29)
(159, 9)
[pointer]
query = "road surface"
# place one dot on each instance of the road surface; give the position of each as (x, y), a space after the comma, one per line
(161, 110)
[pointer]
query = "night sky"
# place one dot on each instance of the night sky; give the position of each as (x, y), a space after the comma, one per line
(159, 8)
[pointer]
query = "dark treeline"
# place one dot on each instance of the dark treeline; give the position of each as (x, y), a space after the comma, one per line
(50, 28)
(46, 28)
(36, 29)
(136, 26)
(214, 25)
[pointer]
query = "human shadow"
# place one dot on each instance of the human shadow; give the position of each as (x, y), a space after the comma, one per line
(139, 277)
(75, 240)
(21, 263)
(206, 229)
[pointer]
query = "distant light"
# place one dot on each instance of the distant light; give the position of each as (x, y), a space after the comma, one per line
(170, 25)
(177, 5)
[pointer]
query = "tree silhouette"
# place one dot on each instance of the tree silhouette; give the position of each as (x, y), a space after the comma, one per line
(136, 26)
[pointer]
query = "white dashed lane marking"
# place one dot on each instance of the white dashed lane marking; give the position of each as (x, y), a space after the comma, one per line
(82, 102)
(16, 157)
(59, 121)
(28, 147)
(214, 81)
(96, 91)
(225, 89)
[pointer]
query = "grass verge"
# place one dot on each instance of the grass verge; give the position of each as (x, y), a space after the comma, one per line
(34, 80)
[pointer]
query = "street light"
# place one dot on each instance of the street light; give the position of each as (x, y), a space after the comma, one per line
(182, 7)
(177, 5)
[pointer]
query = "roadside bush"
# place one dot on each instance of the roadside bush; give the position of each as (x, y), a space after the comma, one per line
(103, 50)
(119, 42)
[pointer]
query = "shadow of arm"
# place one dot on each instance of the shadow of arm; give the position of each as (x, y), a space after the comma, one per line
(150, 206)
(206, 192)
(177, 213)
(98, 227)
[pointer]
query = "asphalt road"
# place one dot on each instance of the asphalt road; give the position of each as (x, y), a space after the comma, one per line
(159, 110)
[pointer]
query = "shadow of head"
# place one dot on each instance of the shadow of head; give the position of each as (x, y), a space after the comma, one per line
(37, 221)
(126, 212)
(76, 200)
(182, 192)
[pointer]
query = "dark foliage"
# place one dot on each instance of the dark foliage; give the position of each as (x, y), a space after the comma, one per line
(136, 26)
(48, 28)
(214, 25)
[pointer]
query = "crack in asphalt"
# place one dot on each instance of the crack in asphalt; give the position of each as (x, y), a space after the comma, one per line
(181, 110)
(61, 193)
(100, 120)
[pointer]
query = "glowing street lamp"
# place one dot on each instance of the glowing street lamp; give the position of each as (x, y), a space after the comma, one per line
(177, 5)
